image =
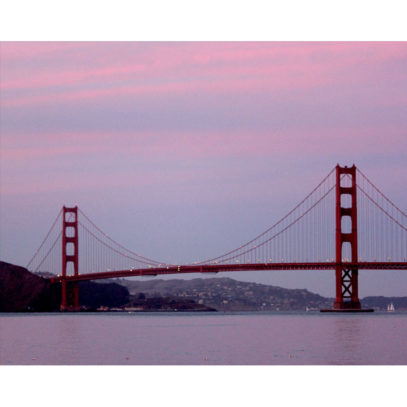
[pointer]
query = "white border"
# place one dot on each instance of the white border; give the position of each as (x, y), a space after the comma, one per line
(210, 20)
(202, 386)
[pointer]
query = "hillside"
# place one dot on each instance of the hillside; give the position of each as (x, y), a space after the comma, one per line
(400, 303)
(22, 291)
(226, 294)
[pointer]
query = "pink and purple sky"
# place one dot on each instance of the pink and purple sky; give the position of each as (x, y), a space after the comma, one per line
(184, 150)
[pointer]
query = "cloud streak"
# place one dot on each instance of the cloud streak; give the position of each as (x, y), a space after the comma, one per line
(185, 69)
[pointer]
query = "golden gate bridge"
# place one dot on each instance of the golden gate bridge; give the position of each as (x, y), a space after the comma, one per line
(345, 224)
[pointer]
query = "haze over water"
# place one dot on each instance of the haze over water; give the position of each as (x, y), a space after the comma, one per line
(203, 339)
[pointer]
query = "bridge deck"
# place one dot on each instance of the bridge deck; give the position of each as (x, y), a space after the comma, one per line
(217, 268)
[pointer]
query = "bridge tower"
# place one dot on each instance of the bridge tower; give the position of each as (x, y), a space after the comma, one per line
(70, 292)
(346, 275)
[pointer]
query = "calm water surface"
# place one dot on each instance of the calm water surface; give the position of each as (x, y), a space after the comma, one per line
(203, 339)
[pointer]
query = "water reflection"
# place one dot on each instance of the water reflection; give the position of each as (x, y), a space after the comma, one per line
(348, 339)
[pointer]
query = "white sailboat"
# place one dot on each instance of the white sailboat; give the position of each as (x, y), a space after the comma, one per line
(390, 307)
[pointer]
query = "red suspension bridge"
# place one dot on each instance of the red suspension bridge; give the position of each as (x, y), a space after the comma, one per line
(341, 225)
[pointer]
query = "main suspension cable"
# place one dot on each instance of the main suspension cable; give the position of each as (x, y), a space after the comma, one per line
(286, 228)
(145, 259)
(45, 239)
(381, 193)
(115, 250)
(271, 227)
(381, 208)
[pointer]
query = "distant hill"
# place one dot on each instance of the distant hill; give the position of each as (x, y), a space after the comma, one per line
(400, 303)
(226, 294)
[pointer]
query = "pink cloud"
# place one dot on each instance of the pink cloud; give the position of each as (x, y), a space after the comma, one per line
(209, 67)
(179, 145)
(253, 81)
(55, 79)
(171, 88)
(62, 181)
(38, 153)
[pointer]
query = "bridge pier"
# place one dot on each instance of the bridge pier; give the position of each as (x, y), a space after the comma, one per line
(69, 296)
(346, 288)
(64, 302)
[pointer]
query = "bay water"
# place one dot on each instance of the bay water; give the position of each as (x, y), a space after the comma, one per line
(283, 338)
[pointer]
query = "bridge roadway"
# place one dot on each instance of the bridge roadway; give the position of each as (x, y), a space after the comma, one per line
(217, 268)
